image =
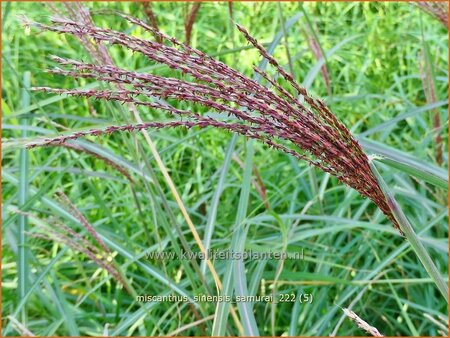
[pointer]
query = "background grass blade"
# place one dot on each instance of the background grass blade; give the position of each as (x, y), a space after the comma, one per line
(411, 236)
(240, 288)
(407, 163)
(416, 111)
(209, 229)
(23, 261)
(222, 309)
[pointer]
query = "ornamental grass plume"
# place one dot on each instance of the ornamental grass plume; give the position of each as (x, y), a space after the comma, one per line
(53, 229)
(297, 124)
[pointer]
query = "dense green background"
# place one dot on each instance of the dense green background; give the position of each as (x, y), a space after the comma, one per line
(373, 64)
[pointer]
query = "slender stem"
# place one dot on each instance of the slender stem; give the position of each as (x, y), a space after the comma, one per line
(22, 263)
(410, 235)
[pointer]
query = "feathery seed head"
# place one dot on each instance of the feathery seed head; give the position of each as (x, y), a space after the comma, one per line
(299, 125)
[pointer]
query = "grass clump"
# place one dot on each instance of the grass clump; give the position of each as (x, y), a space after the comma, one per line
(147, 188)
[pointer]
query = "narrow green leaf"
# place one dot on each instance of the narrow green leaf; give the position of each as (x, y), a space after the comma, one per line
(209, 229)
(65, 307)
(411, 236)
(22, 264)
(309, 78)
(222, 309)
(407, 163)
(240, 288)
(398, 118)
(350, 291)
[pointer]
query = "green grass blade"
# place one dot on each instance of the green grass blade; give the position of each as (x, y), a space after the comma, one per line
(245, 308)
(22, 264)
(350, 291)
(423, 174)
(294, 315)
(234, 272)
(411, 236)
(407, 163)
(65, 308)
(152, 271)
(398, 118)
(32, 288)
(276, 40)
(309, 78)
(216, 197)
(316, 38)
(404, 313)
(222, 309)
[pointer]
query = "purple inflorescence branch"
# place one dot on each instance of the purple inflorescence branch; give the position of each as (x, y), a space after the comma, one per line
(297, 124)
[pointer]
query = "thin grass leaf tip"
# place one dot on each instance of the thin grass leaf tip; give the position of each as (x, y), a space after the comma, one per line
(291, 121)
